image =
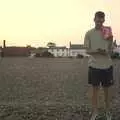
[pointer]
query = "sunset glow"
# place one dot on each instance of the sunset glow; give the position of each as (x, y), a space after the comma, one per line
(36, 22)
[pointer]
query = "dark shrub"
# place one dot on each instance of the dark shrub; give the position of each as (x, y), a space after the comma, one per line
(37, 55)
(115, 55)
(47, 54)
(79, 56)
(70, 57)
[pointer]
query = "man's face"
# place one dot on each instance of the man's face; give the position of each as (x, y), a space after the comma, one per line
(99, 22)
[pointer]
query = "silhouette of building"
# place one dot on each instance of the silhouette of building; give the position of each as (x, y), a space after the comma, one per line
(59, 51)
(76, 49)
(15, 50)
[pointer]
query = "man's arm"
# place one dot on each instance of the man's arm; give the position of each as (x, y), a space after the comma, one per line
(87, 44)
(110, 45)
(87, 41)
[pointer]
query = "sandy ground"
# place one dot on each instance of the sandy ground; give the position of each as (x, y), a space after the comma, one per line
(50, 89)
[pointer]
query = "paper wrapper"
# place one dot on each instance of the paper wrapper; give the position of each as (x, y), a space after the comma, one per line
(107, 32)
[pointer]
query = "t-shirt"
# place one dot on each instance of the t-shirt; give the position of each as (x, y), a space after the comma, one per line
(94, 40)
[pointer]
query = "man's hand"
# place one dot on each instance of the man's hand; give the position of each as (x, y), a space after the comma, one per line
(110, 38)
(97, 52)
(110, 46)
(101, 51)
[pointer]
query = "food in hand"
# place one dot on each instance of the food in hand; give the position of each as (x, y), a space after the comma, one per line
(107, 32)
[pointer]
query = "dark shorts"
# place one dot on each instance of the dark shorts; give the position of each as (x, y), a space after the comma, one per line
(100, 76)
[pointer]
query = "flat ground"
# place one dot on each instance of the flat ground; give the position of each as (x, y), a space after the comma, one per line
(49, 89)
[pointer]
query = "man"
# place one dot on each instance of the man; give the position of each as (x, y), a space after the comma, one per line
(100, 64)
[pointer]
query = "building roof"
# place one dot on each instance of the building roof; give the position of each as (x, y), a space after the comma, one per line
(39, 50)
(58, 47)
(77, 46)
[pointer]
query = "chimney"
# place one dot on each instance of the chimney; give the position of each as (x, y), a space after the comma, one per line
(4, 43)
(70, 44)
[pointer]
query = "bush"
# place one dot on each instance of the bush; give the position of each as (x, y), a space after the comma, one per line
(79, 56)
(47, 54)
(115, 55)
(60, 57)
(70, 57)
(37, 55)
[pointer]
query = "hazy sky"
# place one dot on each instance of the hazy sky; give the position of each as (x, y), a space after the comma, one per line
(37, 22)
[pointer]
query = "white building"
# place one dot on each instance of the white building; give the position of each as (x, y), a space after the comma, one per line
(117, 49)
(59, 51)
(0, 51)
(63, 51)
(76, 49)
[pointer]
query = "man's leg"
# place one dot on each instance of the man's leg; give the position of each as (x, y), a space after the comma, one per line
(95, 98)
(94, 81)
(95, 102)
(107, 82)
(107, 98)
(107, 102)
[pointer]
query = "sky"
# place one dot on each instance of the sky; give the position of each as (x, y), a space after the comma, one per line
(37, 22)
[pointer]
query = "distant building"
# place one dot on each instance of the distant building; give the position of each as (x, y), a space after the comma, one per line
(62, 51)
(39, 50)
(76, 49)
(59, 51)
(0, 51)
(114, 44)
(16, 51)
(117, 49)
(56, 51)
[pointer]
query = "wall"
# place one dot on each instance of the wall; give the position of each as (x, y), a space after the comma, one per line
(16, 51)
(59, 52)
(75, 52)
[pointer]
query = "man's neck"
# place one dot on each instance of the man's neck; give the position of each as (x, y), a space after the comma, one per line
(98, 28)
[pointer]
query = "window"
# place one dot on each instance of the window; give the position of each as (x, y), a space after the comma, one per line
(73, 52)
(51, 50)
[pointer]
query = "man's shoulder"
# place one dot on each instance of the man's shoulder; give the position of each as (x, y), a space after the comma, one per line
(90, 31)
